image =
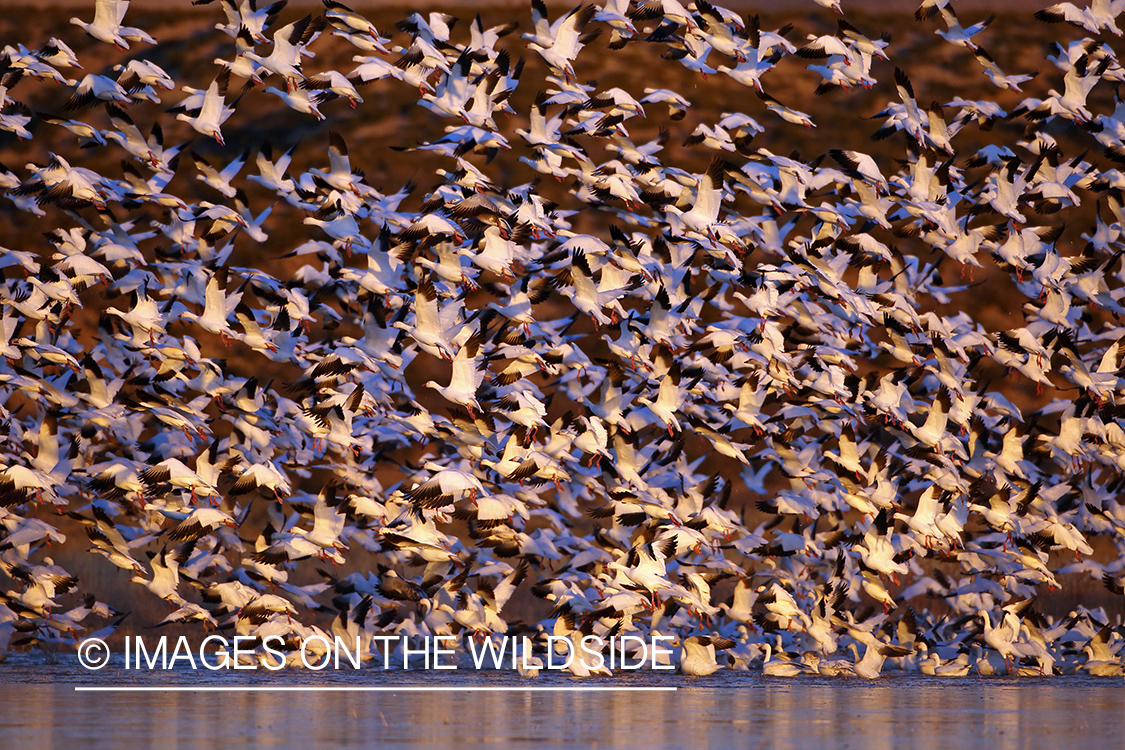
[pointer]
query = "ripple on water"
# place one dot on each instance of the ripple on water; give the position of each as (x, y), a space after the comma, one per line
(41, 709)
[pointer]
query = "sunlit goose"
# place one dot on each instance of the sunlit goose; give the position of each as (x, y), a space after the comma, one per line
(213, 111)
(697, 657)
(106, 26)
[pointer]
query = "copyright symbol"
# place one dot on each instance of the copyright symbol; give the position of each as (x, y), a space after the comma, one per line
(93, 654)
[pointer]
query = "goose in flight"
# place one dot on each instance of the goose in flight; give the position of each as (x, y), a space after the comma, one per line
(1003, 636)
(563, 40)
(94, 89)
(467, 375)
(289, 43)
(445, 487)
(247, 15)
(701, 218)
(875, 653)
(958, 35)
(646, 567)
(213, 111)
(106, 26)
(1099, 16)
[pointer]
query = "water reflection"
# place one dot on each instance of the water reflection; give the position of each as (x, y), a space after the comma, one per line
(746, 712)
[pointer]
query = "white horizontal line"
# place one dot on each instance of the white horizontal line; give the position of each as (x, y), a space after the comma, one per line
(365, 689)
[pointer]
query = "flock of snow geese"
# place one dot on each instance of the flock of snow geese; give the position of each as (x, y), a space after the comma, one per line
(609, 369)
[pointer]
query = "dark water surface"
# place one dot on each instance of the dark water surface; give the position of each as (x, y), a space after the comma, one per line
(39, 708)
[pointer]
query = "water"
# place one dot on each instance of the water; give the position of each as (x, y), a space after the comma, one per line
(40, 709)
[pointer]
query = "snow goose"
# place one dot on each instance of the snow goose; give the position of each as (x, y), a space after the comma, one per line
(670, 398)
(214, 110)
(1002, 638)
(287, 546)
(832, 5)
(218, 308)
(299, 99)
(714, 29)
(905, 116)
(128, 136)
(878, 551)
(778, 663)
(109, 542)
(328, 521)
(1101, 660)
(697, 656)
(704, 212)
(106, 26)
(176, 473)
(22, 61)
(337, 84)
(741, 607)
(339, 175)
(646, 566)
(434, 329)
(23, 533)
(759, 57)
(145, 317)
(289, 44)
(445, 487)
(88, 135)
(272, 173)
(1098, 17)
(958, 35)
(218, 179)
(564, 40)
(670, 11)
(165, 582)
(923, 522)
(247, 15)
(828, 667)
(143, 73)
(875, 653)
(189, 612)
(780, 606)
(58, 53)
(264, 607)
(826, 46)
(425, 541)
(467, 374)
(423, 54)
(194, 525)
(998, 77)
(589, 297)
(677, 105)
(346, 19)
(615, 14)
(375, 68)
(95, 89)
